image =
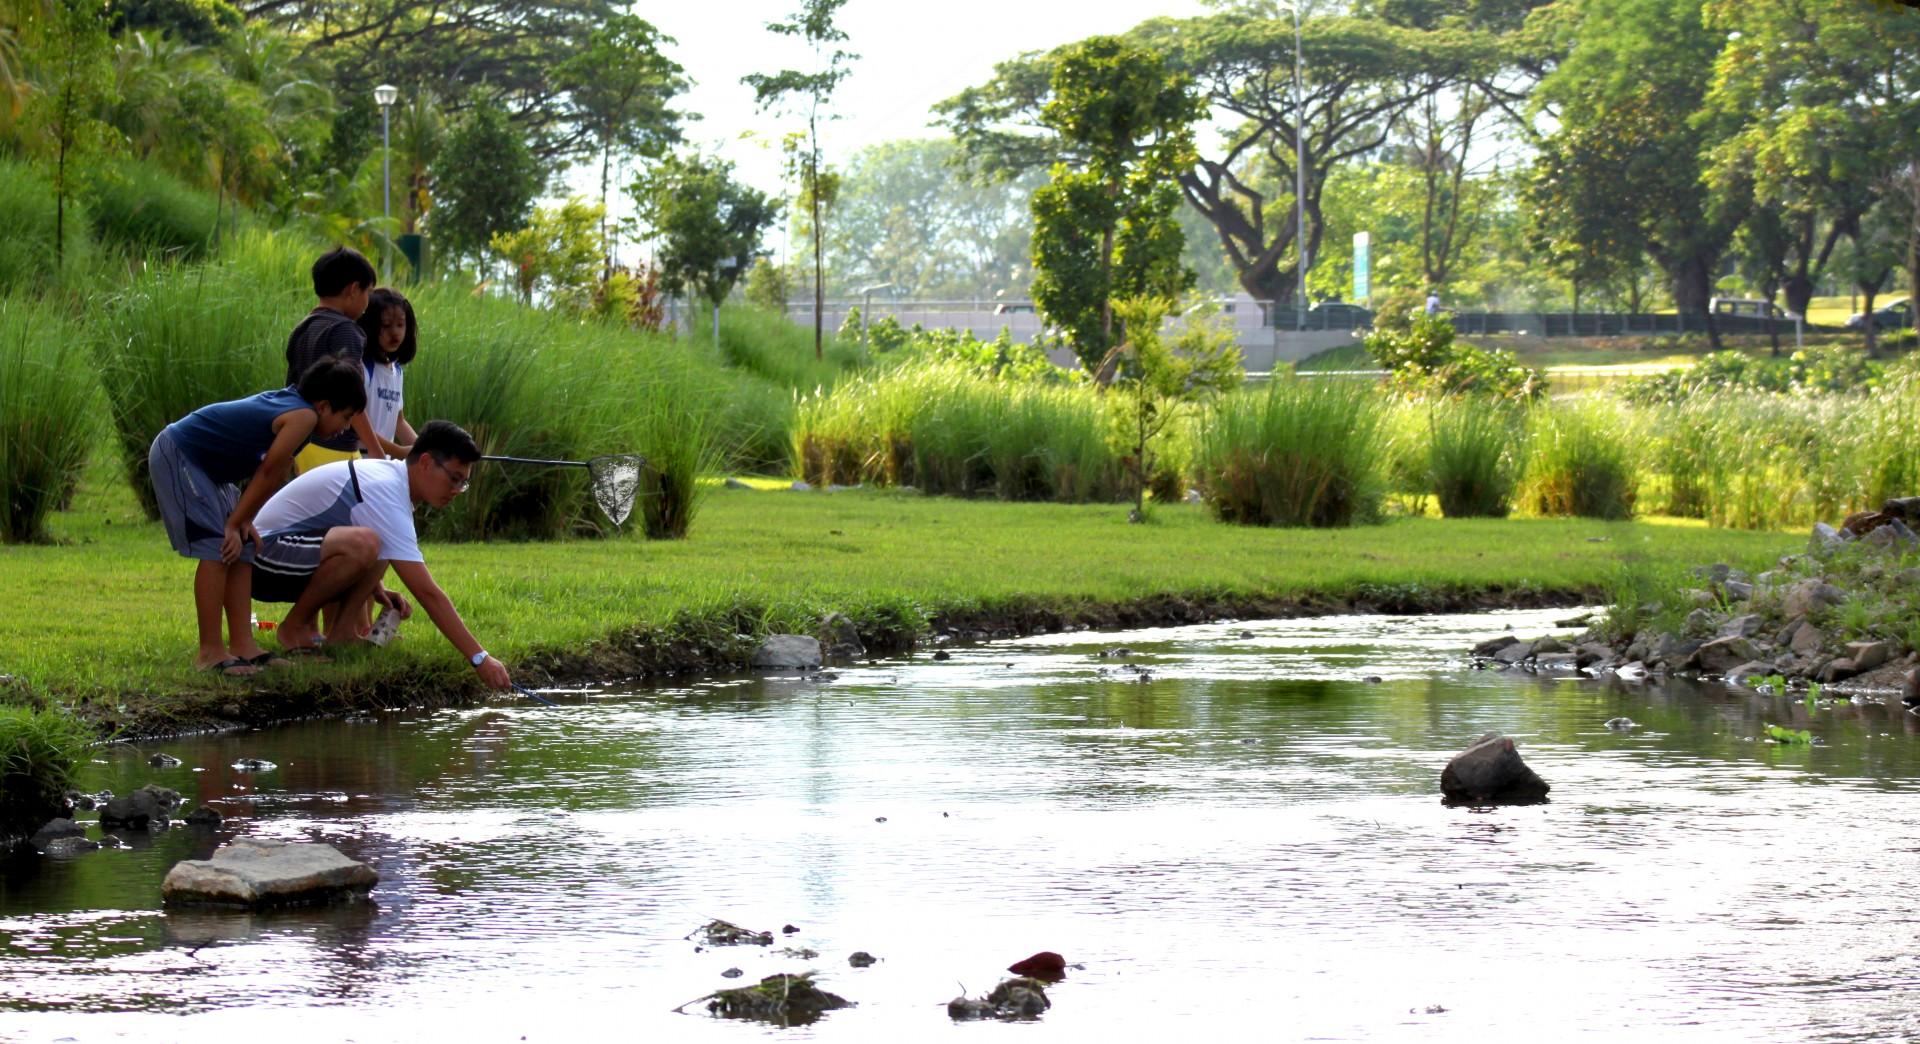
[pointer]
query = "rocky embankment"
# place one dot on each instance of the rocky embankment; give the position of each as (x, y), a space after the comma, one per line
(1844, 613)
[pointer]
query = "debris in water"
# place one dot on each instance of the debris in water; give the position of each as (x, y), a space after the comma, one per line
(788, 929)
(785, 1000)
(879, 819)
(1622, 724)
(942, 654)
(726, 933)
(1045, 965)
(732, 973)
(164, 761)
(1014, 1000)
(253, 765)
(798, 953)
(862, 959)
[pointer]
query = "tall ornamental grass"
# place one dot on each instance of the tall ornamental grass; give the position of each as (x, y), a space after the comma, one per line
(947, 429)
(1473, 457)
(181, 336)
(40, 751)
(1301, 452)
(141, 207)
(528, 383)
(1582, 460)
(778, 349)
(28, 211)
(49, 416)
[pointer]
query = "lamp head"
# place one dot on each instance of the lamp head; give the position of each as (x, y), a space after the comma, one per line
(386, 94)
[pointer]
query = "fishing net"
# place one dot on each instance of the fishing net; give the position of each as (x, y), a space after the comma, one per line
(616, 481)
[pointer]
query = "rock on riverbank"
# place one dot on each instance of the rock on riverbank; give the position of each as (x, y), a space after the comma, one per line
(1841, 613)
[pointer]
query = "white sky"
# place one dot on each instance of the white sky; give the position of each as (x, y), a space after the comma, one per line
(911, 56)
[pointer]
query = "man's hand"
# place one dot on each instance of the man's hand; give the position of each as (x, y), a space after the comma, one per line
(395, 601)
(235, 540)
(494, 674)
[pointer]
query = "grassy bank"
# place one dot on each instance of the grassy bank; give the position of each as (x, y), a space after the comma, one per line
(101, 618)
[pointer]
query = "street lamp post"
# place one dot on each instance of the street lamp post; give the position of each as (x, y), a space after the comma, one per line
(866, 312)
(386, 94)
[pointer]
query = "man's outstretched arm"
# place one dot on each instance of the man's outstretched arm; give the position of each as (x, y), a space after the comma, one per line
(444, 616)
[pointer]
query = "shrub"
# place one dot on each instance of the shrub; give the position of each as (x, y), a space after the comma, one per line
(1582, 462)
(39, 752)
(49, 417)
(1303, 452)
(1473, 458)
(1425, 359)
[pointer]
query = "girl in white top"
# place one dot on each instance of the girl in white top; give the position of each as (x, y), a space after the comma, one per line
(392, 339)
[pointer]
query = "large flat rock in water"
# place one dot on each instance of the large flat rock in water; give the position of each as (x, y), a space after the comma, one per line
(253, 874)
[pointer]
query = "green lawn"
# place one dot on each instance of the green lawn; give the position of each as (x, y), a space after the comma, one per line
(104, 615)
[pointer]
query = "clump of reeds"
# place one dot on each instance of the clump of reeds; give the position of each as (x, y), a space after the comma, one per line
(1301, 452)
(1582, 461)
(27, 256)
(778, 349)
(1473, 457)
(946, 429)
(49, 417)
(39, 752)
(141, 207)
(181, 336)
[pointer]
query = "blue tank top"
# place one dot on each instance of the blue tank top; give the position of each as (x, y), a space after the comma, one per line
(229, 439)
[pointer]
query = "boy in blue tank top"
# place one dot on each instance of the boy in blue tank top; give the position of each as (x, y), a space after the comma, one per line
(197, 464)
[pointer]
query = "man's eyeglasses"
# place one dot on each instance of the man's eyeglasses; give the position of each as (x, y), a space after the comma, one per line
(460, 482)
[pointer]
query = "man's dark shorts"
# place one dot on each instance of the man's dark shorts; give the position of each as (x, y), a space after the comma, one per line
(284, 564)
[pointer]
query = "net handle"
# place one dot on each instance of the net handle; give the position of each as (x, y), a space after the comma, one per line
(548, 463)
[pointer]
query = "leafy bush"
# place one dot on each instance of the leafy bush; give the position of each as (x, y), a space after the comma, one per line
(1425, 359)
(1302, 452)
(1814, 370)
(1582, 462)
(49, 417)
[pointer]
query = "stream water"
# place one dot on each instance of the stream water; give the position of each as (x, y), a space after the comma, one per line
(1249, 844)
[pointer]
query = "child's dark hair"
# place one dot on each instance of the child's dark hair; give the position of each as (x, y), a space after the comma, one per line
(446, 441)
(340, 268)
(377, 304)
(336, 382)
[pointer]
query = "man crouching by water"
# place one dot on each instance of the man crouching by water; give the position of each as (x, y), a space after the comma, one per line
(327, 538)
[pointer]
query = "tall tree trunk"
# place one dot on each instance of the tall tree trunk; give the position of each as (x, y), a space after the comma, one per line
(1693, 292)
(819, 273)
(1872, 329)
(606, 245)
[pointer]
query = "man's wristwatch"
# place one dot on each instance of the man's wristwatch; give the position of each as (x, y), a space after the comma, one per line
(478, 658)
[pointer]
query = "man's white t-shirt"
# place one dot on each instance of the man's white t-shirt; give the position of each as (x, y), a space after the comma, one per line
(329, 496)
(384, 398)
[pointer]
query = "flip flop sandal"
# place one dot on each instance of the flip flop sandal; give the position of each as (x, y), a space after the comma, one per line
(231, 667)
(268, 659)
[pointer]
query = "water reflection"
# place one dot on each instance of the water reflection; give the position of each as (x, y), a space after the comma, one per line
(1254, 828)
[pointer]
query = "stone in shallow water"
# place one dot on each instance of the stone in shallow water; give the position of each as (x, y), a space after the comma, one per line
(1491, 773)
(252, 874)
(785, 652)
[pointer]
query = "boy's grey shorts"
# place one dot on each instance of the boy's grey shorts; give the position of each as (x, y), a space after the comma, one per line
(193, 507)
